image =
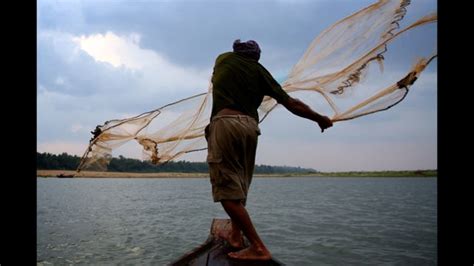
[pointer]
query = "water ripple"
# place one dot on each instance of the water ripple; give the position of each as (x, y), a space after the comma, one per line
(303, 221)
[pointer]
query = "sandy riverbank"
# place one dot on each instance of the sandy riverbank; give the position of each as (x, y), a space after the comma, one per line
(92, 174)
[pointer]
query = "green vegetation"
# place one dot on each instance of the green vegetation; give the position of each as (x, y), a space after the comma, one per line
(48, 161)
(63, 161)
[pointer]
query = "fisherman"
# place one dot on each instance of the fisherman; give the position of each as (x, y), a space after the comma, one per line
(239, 84)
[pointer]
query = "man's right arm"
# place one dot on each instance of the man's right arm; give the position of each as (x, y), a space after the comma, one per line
(299, 108)
(294, 105)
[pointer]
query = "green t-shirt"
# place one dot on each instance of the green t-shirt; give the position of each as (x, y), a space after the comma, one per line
(240, 83)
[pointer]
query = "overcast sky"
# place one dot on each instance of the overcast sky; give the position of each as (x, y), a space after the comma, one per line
(102, 60)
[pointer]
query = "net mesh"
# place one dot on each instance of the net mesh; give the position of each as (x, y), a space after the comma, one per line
(336, 67)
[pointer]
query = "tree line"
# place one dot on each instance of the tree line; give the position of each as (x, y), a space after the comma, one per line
(64, 161)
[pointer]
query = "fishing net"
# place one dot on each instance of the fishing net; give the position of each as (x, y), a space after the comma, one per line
(335, 72)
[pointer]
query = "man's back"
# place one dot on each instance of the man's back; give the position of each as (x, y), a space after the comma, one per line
(240, 83)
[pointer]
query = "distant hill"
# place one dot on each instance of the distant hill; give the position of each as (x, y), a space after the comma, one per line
(64, 161)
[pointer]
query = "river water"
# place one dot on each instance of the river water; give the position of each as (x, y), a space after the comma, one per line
(303, 221)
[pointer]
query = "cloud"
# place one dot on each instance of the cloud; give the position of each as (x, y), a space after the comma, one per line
(113, 49)
(155, 69)
(102, 60)
(76, 89)
(76, 128)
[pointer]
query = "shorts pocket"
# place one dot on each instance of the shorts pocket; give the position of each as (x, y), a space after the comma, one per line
(214, 163)
(214, 158)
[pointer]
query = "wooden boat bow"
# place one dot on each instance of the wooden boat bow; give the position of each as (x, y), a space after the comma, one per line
(213, 252)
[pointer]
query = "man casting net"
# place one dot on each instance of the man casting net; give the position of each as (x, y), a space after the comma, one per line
(341, 70)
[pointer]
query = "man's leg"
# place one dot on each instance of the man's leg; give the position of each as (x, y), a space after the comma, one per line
(236, 239)
(240, 216)
(233, 237)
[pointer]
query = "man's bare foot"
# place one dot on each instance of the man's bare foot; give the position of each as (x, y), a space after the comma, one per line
(251, 253)
(235, 240)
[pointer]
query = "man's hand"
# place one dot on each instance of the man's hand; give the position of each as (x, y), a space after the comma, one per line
(324, 122)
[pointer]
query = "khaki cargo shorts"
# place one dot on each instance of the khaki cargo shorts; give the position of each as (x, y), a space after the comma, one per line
(231, 148)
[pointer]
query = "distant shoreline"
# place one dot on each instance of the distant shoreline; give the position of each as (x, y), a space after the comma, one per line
(94, 174)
